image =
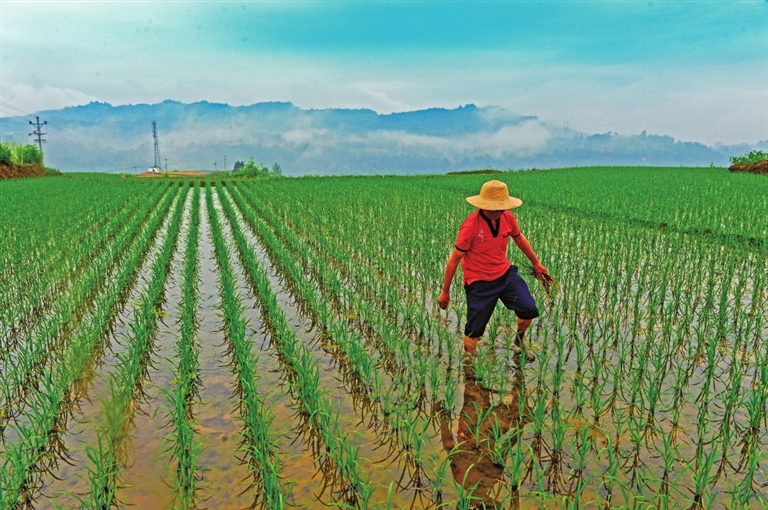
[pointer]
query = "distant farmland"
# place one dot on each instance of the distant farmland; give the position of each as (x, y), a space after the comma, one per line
(219, 343)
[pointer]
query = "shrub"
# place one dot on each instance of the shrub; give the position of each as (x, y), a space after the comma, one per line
(5, 154)
(32, 155)
(251, 169)
(24, 154)
(753, 157)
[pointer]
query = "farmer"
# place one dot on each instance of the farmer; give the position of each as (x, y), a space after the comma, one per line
(481, 247)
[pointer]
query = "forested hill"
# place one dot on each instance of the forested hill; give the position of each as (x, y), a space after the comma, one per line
(102, 137)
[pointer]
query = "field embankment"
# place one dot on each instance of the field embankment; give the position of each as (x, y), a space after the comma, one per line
(179, 173)
(760, 167)
(13, 171)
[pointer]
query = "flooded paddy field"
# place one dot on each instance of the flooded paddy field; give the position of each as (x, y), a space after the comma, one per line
(277, 343)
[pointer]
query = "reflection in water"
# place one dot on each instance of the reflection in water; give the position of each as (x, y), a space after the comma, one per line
(480, 423)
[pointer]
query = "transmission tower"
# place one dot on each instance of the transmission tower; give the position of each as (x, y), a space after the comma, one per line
(39, 134)
(158, 164)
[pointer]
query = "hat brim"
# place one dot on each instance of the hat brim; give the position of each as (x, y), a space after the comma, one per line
(494, 205)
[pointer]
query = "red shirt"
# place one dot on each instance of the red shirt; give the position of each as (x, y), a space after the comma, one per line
(485, 248)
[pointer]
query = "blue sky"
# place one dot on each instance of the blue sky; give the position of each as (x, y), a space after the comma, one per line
(694, 70)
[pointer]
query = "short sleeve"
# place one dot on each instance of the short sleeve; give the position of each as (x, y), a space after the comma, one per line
(514, 228)
(464, 239)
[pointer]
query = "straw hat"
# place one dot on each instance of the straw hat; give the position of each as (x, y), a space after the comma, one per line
(494, 196)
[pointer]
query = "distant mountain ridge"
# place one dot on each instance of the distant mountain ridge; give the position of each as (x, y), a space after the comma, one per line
(102, 137)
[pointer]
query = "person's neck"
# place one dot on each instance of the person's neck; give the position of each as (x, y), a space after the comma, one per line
(488, 218)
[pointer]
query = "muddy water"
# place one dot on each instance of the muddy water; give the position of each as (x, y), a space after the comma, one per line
(71, 479)
(224, 477)
(297, 458)
(379, 459)
(146, 478)
(641, 471)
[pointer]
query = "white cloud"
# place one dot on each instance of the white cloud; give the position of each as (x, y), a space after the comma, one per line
(524, 138)
(382, 103)
(299, 136)
(28, 98)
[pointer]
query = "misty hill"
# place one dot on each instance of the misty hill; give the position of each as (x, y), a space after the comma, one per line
(102, 137)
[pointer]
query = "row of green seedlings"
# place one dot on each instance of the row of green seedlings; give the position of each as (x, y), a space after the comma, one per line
(65, 382)
(648, 396)
(497, 442)
(31, 356)
(19, 270)
(392, 403)
(125, 383)
(643, 394)
(398, 259)
(24, 310)
(185, 448)
(653, 390)
(419, 367)
(671, 289)
(43, 246)
(350, 350)
(383, 329)
(312, 401)
(27, 304)
(258, 438)
(386, 400)
(375, 304)
(399, 291)
(23, 366)
(464, 497)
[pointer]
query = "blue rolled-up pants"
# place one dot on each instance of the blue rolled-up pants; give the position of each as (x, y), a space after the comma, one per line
(483, 295)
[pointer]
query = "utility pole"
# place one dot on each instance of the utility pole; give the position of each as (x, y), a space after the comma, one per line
(225, 162)
(39, 134)
(214, 165)
(166, 164)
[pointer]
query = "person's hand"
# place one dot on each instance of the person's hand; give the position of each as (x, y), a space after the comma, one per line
(443, 300)
(539, 270)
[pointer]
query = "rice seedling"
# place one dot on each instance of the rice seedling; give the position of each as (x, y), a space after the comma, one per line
(23, 365)
(125, 383)
(258, 438)
(185, 447)
(649, 387)
(25, 458)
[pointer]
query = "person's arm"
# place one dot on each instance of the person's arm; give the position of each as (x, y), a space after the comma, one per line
(450, 271)
(525, 247)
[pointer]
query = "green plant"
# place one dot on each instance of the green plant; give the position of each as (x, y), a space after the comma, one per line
(751, 157)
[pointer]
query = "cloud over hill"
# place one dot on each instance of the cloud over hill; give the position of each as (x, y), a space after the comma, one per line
(99, 136)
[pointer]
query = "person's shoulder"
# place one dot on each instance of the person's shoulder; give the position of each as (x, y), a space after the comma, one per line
(509, 215)
(472, 217)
